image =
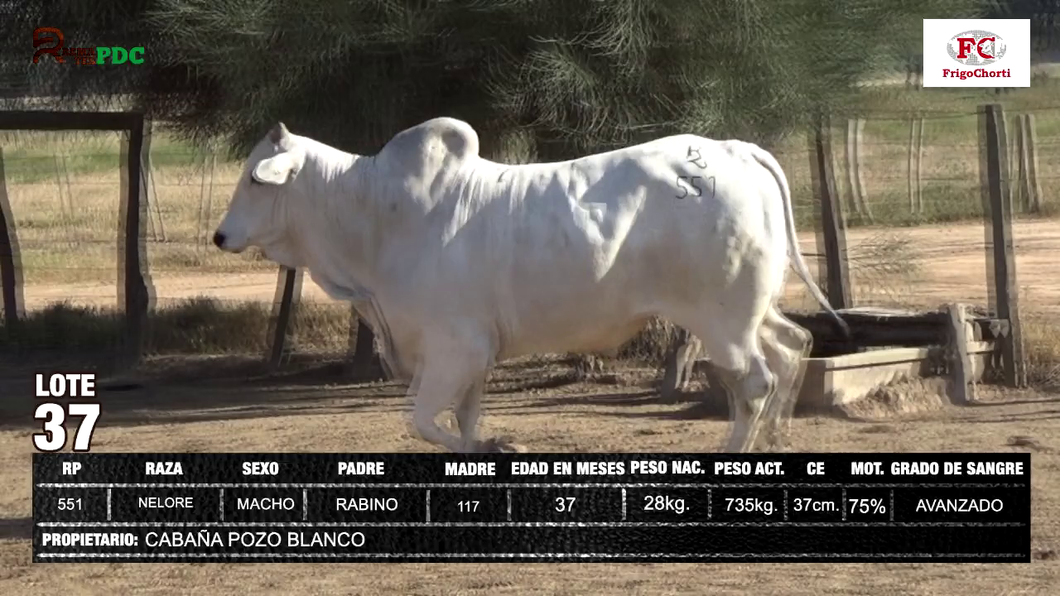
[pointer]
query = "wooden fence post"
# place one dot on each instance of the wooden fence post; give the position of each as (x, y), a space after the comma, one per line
(1029, 164)
(66, 181)
(201, 236)
(859, 175)
(1019, 195)
(909, 164)
(916, 157)
(66, 204)
(832, 232)
(1001, 262)
(150, 195)
(10, 258)
(288, 292)
(848, 153)
(1008, 155)
(962, 367)
(920, 165)
(135, 291)
(854, 181)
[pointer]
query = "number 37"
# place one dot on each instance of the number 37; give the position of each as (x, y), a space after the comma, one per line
(696, 184)
(54, 416)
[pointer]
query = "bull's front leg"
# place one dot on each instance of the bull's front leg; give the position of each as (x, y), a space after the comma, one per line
(453, 374)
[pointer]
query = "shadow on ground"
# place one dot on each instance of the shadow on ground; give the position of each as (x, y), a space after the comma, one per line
(1021, 417)
(175, 390)
(186, 389)
(694, 405)
(171, 390)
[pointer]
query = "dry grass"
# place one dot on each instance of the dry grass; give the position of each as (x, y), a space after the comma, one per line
(1041, 340)
(190, 327)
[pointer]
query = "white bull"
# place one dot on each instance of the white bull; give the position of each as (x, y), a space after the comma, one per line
(459, 262)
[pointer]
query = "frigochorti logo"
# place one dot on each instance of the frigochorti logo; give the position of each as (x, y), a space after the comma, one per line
(977, 48)
(961, 53)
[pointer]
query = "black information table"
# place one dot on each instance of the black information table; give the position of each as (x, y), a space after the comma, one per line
(532, 507)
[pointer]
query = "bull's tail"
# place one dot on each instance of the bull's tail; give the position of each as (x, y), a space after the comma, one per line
(770, 163)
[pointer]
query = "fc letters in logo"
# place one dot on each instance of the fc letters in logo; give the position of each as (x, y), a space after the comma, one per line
(976, 48)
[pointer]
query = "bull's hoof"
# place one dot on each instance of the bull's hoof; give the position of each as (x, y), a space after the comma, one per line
(499, 445)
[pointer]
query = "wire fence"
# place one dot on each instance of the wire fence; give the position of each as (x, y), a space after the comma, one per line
(910, 188)
(64, 193)
(912, 196)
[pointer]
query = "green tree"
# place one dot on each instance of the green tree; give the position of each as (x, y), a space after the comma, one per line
(1043, 14)
(549, 79)
(539, 79)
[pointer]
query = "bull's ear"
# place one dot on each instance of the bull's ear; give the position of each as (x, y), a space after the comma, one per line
(277, 169)
(278, 134)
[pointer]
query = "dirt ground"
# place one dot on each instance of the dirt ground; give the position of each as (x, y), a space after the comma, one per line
(320, 411)
(951, 258)
(317, 410)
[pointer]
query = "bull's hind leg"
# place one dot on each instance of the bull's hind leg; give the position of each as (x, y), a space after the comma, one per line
(749, 395)
(467, 413)
(733, 347)
(787, 346)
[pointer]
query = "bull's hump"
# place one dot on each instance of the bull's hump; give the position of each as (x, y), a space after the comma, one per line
(428, 154)
(437, 137)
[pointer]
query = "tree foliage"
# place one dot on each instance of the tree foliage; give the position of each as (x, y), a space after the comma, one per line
(1044, 16)
(541, 79)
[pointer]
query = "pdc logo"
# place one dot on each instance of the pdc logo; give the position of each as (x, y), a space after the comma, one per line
(976, 48)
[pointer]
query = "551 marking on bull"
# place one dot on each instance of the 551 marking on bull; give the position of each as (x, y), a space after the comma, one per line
(695, 185)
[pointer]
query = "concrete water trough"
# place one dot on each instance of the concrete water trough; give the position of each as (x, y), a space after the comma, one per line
(845, 379)
(888, 346)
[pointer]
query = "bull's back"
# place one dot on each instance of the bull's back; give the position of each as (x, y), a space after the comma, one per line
(626, 213)
(601, 243)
